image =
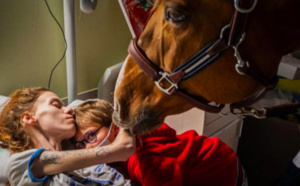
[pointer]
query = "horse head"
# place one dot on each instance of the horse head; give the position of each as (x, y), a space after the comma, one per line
(176, 31)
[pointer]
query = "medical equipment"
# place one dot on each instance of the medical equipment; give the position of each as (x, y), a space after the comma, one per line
(88, 6)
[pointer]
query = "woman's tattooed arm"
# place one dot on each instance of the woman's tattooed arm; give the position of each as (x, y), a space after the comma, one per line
(55, 162)
(57, 157)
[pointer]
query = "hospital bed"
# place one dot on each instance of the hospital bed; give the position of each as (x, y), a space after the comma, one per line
(227, 128)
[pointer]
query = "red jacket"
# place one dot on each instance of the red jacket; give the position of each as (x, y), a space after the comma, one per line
(164, 158)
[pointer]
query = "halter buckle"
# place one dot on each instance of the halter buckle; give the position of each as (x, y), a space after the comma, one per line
(165, 76)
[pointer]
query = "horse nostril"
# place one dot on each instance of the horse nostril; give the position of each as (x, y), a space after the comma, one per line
(121, 111)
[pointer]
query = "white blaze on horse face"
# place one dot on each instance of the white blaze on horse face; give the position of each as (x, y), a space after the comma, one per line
(121, 73)
(119, 79)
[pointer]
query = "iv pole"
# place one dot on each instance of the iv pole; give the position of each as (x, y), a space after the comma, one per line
(86, 6)
(71, 50)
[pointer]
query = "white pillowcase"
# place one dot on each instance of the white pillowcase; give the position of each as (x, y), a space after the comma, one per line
(3, 101)
(4, 153)
(74, 104)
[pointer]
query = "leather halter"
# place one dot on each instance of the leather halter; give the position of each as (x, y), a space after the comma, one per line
(231, 36)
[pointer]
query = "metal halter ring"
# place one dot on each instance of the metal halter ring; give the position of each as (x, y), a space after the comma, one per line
(241, 64)
(243, 10)
(224, 29)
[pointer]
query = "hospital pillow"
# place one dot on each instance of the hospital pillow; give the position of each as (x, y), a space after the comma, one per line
(4, 154)
(3, 100)
(75, 103)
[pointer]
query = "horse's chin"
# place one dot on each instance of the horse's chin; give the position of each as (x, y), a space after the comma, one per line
(142, 128)
(138, 125)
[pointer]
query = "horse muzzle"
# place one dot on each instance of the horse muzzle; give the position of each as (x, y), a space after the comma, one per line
(143, 122)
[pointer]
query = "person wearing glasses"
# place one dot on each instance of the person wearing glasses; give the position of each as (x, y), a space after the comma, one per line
(161, 157)
(33, 125)
(94, 126)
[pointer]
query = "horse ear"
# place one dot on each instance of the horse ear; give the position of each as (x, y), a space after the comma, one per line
(27, 119)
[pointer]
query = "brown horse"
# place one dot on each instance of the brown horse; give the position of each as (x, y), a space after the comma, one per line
(179, 29)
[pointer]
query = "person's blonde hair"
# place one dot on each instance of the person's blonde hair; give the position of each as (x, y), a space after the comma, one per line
(97, 111)
(12, 133)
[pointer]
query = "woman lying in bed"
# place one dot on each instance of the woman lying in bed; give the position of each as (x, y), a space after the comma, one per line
(162, 157)
(33, 125)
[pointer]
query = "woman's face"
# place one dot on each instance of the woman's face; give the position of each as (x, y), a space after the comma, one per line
(91, 130)
(54, 119)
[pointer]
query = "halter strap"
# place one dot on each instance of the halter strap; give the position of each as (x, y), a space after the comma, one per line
(230, 37)
(157, 75)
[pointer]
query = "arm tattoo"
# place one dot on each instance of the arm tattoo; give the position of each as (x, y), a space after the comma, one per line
(102, 150)
(56, 157)
(50, 158)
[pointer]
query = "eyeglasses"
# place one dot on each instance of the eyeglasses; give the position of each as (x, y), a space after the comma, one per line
(89, 137)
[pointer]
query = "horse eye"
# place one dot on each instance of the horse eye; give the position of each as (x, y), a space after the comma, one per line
(174, 15)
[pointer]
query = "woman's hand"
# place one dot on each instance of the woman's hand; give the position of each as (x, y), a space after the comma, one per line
(124, 145)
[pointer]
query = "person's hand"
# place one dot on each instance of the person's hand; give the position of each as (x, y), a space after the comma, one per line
(124, 145)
